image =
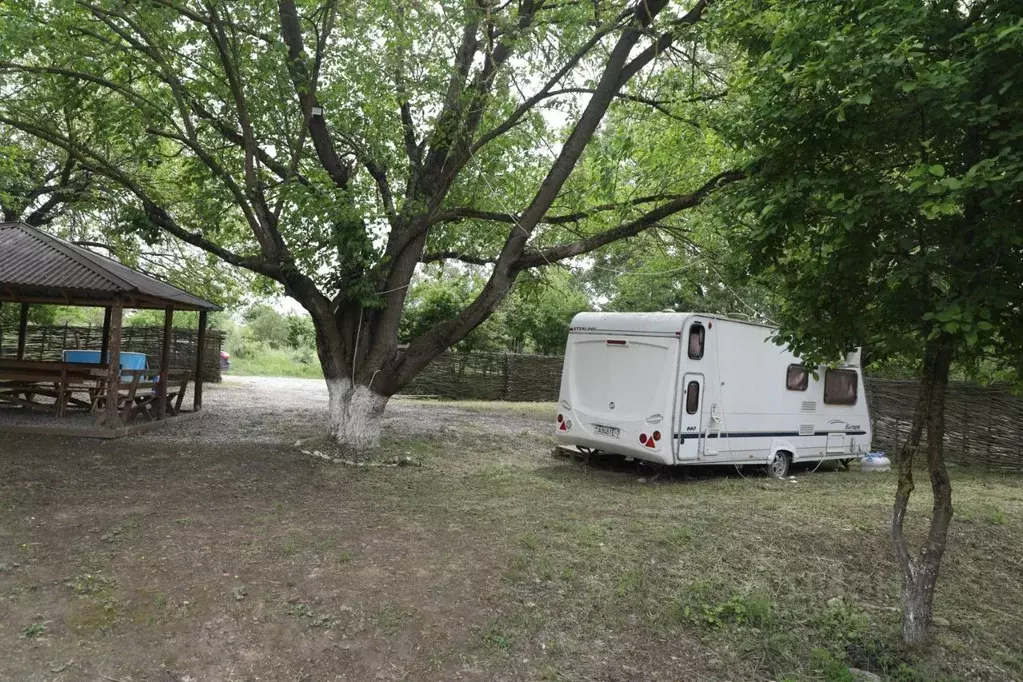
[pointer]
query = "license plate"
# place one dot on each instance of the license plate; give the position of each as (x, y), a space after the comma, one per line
(609, 431)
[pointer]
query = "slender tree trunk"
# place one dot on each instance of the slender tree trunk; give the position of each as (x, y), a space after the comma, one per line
(920, 573)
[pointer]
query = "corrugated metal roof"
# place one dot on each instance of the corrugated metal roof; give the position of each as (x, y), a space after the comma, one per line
(38, 266)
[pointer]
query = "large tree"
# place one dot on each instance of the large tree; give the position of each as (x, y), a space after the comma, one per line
(886, 205)
(333, 147)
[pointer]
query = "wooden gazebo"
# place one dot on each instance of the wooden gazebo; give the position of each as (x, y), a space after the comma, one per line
(38, 268)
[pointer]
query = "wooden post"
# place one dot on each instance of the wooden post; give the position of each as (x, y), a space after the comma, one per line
(200, 361)
(161, 388)
(104, 342)
(22, 331)
(114, 366)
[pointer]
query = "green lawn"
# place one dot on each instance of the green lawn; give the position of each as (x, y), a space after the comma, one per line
(276, 363)
(230, 554)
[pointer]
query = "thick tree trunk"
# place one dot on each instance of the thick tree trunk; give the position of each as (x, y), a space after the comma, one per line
(920, 574)
(358, 390)
(355, 415)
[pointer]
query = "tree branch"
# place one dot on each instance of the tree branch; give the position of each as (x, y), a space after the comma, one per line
(664, 41)
(539, 257)
(305, 88)
(506, 268)
(550, 254)
(497, 217)
(542, 93)
(132, 96)
(455, 255)
(95, 162)
(264, 225)
(655, 104)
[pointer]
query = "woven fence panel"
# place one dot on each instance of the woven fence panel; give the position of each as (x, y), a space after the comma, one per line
(983, 426)
(463, 376)
(48, 343)
(533, 378)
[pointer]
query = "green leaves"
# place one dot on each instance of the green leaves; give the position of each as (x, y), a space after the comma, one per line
(890, 148)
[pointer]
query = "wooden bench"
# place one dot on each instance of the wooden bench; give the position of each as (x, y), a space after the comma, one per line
(141, 396)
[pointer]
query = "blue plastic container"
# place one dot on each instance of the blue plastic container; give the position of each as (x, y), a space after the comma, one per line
(128, 360)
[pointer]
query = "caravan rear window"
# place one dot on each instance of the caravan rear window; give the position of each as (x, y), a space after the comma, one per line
(798, 378)
(840, 387)
(692, 397)
(696, 334)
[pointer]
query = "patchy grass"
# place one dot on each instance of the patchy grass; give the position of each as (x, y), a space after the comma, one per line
(538, 410)
(89, 584)
(776, 580)
(492, 560)
(33, 630)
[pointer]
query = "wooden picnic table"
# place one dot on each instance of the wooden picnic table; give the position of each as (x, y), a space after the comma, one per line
(21, 381)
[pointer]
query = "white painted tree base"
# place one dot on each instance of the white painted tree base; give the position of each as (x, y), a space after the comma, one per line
(355, 415)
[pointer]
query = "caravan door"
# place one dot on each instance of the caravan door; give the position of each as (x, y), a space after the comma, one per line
(690, 417)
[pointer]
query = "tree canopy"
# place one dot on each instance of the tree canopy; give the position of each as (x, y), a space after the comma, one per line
(333, 148)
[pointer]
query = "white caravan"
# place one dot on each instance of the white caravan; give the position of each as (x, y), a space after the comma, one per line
(687, 388)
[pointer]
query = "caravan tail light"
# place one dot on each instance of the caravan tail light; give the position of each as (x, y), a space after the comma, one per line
(561, 418)
(642, 438)
(657, 435)
(616, 342)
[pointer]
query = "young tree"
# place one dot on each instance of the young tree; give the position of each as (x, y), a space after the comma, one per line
(540, 311)
(886, 203)
(332, 147)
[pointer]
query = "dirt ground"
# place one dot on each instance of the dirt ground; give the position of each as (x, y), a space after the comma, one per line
(215, 550)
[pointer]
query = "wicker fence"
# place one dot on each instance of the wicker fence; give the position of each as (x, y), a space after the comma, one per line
(984, 425)
(47, 343)
(489, 376)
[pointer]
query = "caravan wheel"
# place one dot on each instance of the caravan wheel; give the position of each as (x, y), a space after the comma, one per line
(779, 468)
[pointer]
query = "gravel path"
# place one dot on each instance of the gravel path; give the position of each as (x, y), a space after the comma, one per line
(279, 410)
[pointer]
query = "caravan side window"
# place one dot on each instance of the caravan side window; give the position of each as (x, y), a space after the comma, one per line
(696, 336)
(840, 387)
(798, 378)
(692, 397)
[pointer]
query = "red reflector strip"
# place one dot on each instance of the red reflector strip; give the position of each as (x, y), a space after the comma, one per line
(616, 342)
